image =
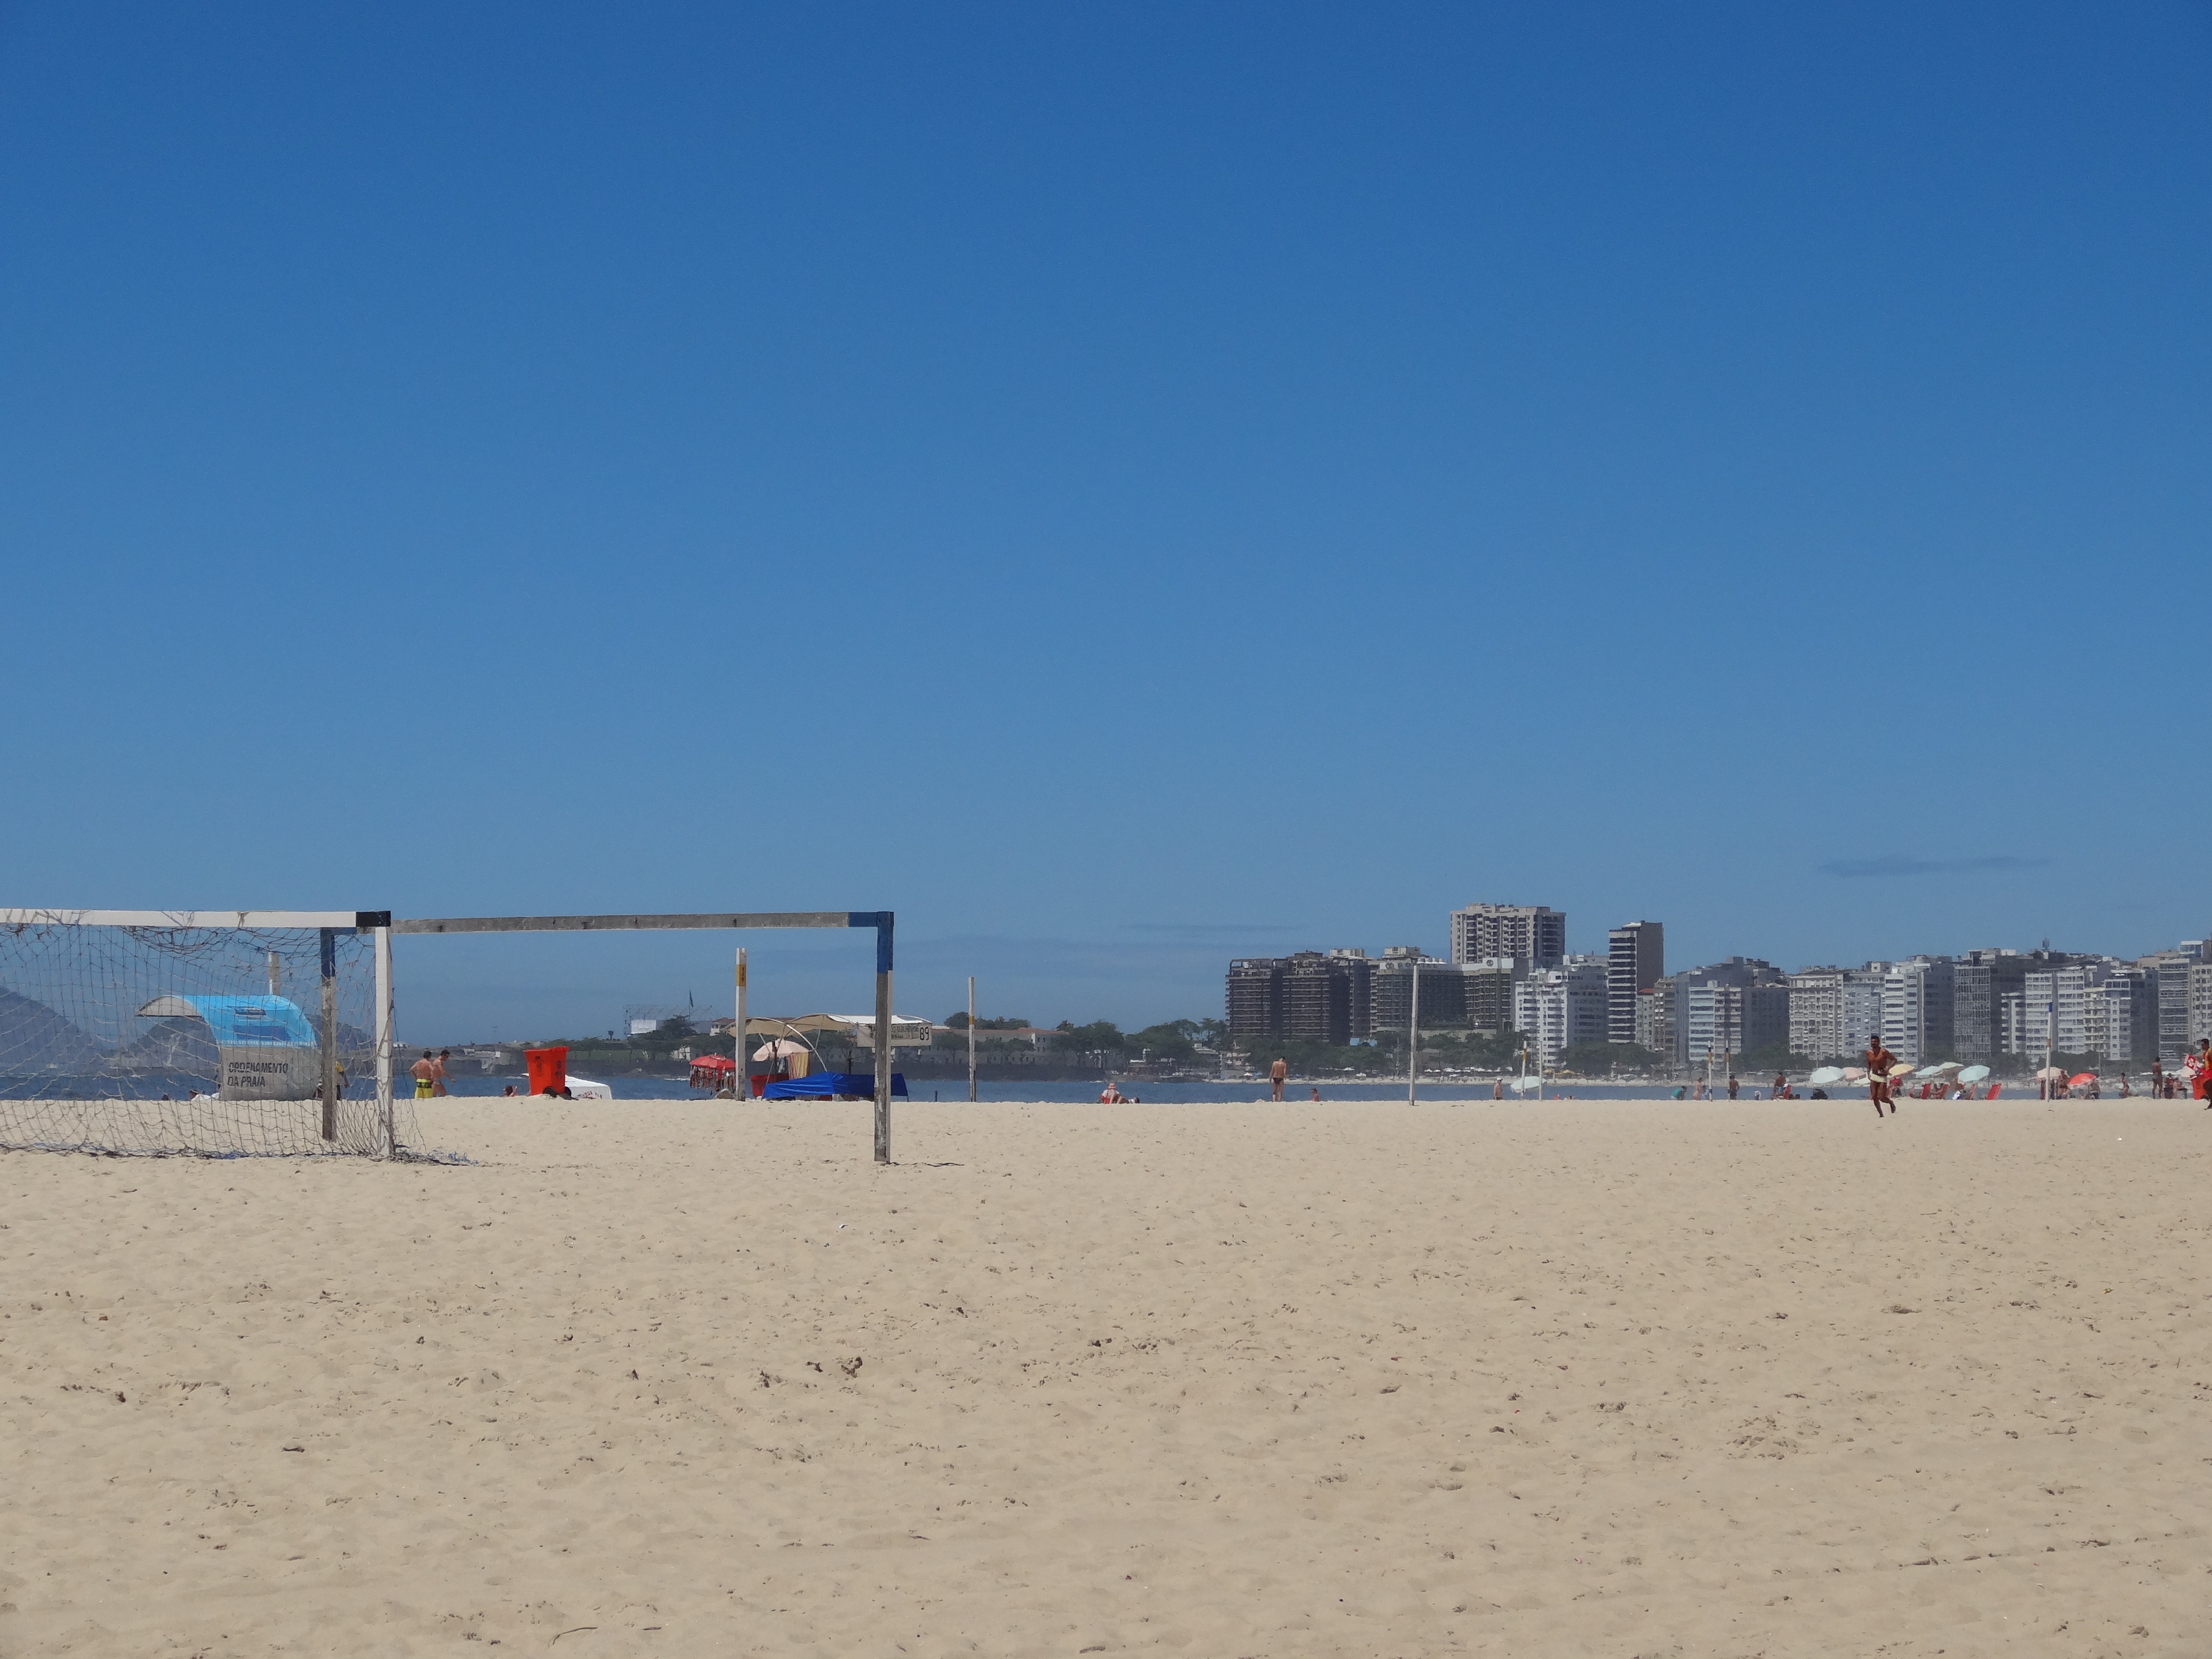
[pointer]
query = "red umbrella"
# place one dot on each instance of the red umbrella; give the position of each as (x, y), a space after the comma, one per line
(2080, 1077)
(713, 1063)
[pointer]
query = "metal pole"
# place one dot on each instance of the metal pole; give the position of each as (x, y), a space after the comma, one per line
(1413, 1033)
(275, 979)
(883, 1038)
(741, 1087)
(384, 1039)
(330, 1034)
(971, 1037)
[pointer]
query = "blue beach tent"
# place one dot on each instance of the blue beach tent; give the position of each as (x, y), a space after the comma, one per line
(827, 1085)
(240, 1022)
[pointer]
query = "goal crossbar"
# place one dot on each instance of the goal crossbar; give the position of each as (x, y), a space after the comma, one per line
(250, 921)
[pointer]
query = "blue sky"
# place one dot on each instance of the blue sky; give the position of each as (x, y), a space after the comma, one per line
(1123, 487)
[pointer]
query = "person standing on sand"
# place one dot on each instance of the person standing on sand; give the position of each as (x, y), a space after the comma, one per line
(1879, 1090)
(1732, 1086)
(426, 1075)
(438, 1071)
(2204, 1089)
(1277, 1074)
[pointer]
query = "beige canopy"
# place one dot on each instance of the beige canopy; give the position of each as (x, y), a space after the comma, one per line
(860, 1029)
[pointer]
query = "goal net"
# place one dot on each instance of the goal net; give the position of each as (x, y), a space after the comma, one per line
(163, 1034)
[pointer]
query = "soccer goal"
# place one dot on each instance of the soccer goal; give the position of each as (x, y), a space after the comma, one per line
(880, 920)
(224, 1034)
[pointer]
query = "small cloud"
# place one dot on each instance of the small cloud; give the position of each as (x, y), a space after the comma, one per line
(1899, 864)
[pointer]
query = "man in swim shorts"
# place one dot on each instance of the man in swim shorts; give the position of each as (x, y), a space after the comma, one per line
(426, 1076)
(1278, 1074)
(1878, 1059)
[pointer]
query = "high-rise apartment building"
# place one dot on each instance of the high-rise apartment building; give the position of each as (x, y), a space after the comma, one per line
(1255, 997)
(1442, 991)
(1636, 960)
(1816, 1013)
(1559, 1008)
(1980, 981)
(1655, 1019)
(2172, 968)
(2061, 1010)
(1322, 997)
(2128, 1002)
(1917, 1010)
(1694, 1031)
(1728, 1021)
(1534, 934)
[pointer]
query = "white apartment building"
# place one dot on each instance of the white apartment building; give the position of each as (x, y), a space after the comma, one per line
(2128, 1000)
(1816, 1013)
(1905, 1012)
(1859, 1008)
(1556, 1008)
(1655, 1021)
(2061, 1010)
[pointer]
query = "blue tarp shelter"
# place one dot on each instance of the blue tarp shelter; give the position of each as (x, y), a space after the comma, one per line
(827, 1085)
(240, 1022)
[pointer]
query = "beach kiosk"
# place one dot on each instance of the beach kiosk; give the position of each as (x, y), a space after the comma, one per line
(266, 1049)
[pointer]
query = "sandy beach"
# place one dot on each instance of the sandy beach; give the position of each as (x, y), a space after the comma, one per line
(1583, 1378)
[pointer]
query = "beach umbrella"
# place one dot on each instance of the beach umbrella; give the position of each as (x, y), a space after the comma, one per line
(2080, 1077)
(1898, 1071)
(780, 1049)
(1520, 1084)
(1825, 1076)
(1973, 1074)
(2048, 1073)
(1854, 1073)
(1939, 1069)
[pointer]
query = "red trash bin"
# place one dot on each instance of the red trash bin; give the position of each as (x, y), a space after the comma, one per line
(548, 1070)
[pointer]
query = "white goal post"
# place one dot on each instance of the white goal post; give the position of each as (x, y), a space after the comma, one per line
(743, 921)
(101, 1009)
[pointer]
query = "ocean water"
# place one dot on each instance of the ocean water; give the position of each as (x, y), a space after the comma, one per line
(1152, 1093)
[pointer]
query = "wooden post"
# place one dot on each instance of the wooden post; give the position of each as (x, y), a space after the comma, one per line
(883, 1036)
(742, 1086)
(330, 1033)
(383, 937)
(1414, 1031)
(971, 1037)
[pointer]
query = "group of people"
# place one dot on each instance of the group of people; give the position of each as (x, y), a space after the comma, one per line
(429, 1074)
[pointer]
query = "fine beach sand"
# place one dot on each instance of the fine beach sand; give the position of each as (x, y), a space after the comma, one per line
(1587, 1377)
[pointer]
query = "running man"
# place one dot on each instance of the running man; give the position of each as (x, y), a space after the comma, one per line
(1277, 1074)
(426, 1075)
(1879, 1090)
